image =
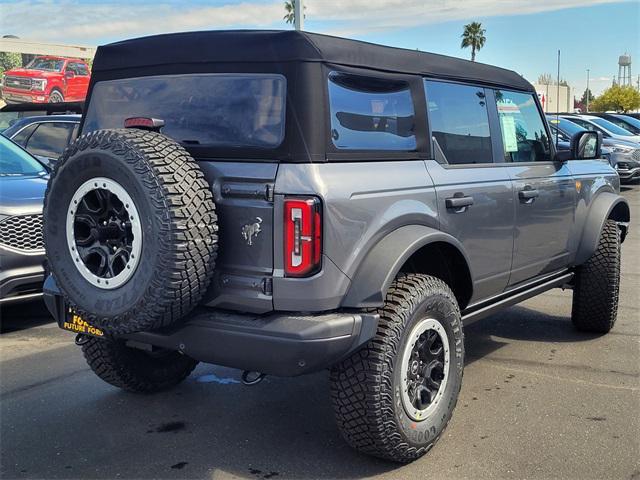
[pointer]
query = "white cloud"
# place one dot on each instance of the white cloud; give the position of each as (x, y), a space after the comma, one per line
(72, 21)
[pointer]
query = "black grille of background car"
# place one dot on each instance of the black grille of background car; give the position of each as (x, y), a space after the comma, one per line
(18, 82)
(23, 232)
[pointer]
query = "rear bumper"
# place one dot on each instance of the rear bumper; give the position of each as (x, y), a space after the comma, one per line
(282, 344)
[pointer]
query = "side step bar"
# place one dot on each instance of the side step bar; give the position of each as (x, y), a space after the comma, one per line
(474, 314)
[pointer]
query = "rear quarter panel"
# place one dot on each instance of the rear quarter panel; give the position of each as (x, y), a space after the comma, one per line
(362, 203)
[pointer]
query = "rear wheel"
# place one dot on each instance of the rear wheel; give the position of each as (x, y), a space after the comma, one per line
(130, 230)
(597, 284)
(394, 397)
(136, 370)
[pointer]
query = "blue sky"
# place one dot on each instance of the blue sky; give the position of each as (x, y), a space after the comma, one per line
(522, 35)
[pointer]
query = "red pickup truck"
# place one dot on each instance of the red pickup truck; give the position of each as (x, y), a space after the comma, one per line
(47, 79)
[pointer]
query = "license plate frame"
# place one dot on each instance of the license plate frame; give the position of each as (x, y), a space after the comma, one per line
(74, 323)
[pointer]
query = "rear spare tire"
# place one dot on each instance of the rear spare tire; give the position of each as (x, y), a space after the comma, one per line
(130, 230)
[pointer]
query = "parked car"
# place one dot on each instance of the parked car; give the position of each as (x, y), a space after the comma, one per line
(623, 155)
(608, 129)
(364, 204)
(47, 79)
(12, 112)
(623, 121)
(46, 137)
(23, 181)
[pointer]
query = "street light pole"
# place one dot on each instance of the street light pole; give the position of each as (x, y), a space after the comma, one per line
(299, 14)
(587, 92)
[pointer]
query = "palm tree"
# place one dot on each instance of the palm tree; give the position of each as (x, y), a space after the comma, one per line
(473, 36)
(290, 8)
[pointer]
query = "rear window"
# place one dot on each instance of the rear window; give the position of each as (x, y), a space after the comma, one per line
(225, 110)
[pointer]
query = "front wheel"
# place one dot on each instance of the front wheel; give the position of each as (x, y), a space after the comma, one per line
(394, 397)
(597, 284)
(56, 97)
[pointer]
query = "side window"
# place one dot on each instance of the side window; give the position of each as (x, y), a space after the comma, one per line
(50, 139)
(22, 137)
(71, 67)
(559, 133)
(523, 134)
(371, 113)
(459, 123)
(81, 69)
(583, 124)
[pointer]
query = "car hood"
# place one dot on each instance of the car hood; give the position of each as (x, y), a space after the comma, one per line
(613, 142)
(27, 72)
(635, 139)
(22, 195)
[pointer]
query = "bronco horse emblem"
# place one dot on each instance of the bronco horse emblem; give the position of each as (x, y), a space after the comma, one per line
(251, 230)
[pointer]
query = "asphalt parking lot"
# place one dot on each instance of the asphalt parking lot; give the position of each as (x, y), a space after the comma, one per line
(539, 400)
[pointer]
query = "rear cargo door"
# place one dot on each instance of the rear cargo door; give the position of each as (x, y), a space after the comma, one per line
(243, 193)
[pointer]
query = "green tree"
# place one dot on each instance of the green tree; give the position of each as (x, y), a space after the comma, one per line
(9, 60)
(290, 11)
(587, 92)
(618, 98)
(473, 36)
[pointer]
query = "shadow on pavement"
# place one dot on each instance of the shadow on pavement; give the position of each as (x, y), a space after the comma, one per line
(20, 316)
(521, 324)
(279, 429)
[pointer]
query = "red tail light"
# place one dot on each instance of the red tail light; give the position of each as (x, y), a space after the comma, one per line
(144, 123)
(302, 236)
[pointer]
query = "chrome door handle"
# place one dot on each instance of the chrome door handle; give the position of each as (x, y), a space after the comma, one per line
(528, 195)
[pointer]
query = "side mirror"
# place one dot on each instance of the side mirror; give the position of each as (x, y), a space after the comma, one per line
(586, 145)
(69, 74)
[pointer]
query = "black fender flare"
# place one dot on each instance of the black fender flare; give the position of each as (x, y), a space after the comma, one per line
(605, 206)
(381, 265)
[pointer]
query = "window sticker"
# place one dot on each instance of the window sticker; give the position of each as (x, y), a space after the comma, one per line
(508, 125)
(506, 105)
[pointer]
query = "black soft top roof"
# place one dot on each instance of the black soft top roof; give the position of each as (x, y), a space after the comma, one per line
(238, 46)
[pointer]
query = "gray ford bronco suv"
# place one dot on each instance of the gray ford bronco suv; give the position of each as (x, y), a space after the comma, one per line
(284, 202)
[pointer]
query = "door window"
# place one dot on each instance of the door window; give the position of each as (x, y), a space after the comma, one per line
(459, 123)
(523, 134)
(50, 139)
(22, 137)
(371, 113)
(81, 69)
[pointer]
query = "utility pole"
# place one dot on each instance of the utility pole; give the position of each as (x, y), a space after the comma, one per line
(299, 14)
(558, 86)
(587, 90)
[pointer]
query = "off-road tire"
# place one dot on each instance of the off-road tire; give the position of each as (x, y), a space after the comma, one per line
(178, 220)
(597, 284)
(365, 386)
(136, 370)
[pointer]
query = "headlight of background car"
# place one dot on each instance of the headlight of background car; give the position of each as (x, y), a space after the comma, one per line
(39, 84)
(622, 149)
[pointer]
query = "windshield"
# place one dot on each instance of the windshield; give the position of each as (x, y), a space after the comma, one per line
(630, 120)
(50, 64)
(221, 110)
(14, 161)
(611, 127)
